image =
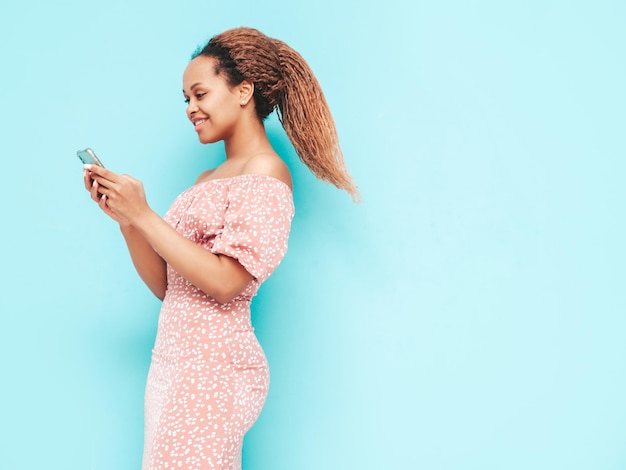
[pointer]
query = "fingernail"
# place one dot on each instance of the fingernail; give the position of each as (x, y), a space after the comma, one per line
(87, 166)
(94, 183)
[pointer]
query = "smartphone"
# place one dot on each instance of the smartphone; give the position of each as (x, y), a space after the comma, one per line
(88, 156)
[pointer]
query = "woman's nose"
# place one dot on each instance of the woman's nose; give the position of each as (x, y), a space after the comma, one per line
(191, 109)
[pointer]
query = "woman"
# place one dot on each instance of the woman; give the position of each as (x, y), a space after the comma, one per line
(218, 242)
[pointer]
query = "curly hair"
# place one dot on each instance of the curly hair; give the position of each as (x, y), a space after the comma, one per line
(284, 81)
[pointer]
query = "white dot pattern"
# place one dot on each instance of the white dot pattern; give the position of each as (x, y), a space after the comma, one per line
(209, 377)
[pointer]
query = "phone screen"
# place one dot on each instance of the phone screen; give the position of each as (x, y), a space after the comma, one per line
(88, 156)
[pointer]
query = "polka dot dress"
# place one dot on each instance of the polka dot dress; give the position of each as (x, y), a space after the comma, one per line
(209, 378)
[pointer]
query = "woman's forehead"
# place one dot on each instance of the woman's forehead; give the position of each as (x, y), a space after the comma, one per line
(199, 69)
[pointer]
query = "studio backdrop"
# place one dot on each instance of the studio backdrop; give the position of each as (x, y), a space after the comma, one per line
(468, 314)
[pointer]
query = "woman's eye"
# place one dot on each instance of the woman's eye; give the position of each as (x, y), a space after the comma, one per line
(197, 96)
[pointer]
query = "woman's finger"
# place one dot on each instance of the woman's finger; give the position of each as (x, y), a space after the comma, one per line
(96, 170)
(97, 191)
(94, 191)
(87, 179)
(104, 205)
(102, 202)
(102, 181)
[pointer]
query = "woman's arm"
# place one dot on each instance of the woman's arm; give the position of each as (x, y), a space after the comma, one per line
(219, 276)
(148, 264)
(122, 197)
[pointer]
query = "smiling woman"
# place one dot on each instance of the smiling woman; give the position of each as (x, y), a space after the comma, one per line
(218, 242)
(212, 105)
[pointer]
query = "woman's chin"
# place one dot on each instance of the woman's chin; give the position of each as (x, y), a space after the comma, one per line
(207, 139)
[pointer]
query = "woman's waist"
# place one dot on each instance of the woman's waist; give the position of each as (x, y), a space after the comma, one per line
(205, 321)
(239, 346)
(187, 297)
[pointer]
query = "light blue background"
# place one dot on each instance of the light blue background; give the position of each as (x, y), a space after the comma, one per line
(468, 315)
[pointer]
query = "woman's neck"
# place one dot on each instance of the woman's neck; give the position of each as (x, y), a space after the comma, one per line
(247, 141)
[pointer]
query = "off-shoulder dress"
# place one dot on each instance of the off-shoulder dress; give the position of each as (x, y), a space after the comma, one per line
(209, 377)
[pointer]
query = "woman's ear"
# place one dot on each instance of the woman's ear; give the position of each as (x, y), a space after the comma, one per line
(246, 90)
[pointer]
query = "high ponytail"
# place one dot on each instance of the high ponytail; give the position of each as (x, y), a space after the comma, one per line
(283, 80)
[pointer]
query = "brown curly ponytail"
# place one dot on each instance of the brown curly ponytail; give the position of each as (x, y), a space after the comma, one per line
(282, 79)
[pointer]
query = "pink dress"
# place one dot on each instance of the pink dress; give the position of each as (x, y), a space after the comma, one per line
(209, 378)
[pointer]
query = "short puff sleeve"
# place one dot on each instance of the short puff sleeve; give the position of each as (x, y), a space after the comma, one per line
(257, 222)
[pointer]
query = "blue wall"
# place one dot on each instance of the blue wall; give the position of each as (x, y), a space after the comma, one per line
(468, 315)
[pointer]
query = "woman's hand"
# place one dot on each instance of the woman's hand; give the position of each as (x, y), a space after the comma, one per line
(121, 197)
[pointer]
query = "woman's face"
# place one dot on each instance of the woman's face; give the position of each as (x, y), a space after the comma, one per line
(212, 106)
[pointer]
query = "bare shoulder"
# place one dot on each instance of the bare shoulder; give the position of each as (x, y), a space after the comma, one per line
(268, 164)
(205, 175)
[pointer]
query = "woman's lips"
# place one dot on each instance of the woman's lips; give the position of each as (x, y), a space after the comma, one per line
(198, 124)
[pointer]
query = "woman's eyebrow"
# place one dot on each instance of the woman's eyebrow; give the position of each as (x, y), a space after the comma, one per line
(192, 87)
